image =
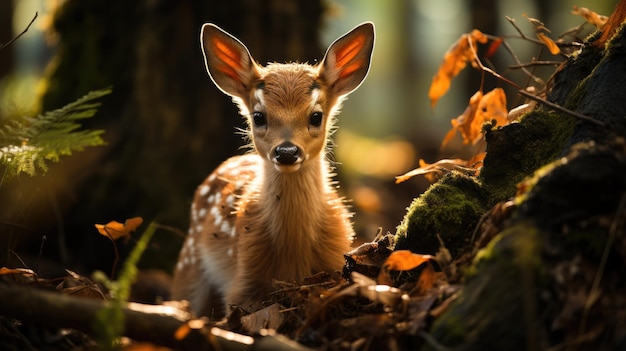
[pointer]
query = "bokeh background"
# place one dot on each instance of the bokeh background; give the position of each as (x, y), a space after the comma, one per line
(167, 126)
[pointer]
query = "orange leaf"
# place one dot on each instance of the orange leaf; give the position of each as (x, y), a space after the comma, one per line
(115, 230)
(493, 47)
(491, 106)
(590, 16)
(454, 60)
(554, 49)
(463, 123)
(404, 260)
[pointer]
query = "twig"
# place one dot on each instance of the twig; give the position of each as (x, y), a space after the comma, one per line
(117, 254)
(560, 108)
(519, 31)
(535, 63)
(489, 70)
(2, 46)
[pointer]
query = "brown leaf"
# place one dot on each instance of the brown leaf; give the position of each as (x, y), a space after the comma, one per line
(115, 230)
(454, 60)
(590, 16)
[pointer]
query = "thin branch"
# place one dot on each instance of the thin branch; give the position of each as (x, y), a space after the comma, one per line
(535, 63)
(2, 46)
(489, 70)
(560, 108)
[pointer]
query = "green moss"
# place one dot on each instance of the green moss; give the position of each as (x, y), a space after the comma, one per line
(450, 208)
(515, 151)
(500, 300)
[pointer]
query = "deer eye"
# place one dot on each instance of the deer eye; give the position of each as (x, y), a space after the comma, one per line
(259, 118)
(316, 119)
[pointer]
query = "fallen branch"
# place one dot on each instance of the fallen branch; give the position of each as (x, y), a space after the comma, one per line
(31, 305)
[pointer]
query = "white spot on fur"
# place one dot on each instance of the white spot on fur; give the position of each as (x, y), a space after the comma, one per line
(204, 189)
(202, 213)
(225, 228)
(190, 242)
(210, 199)
(218, 198)
(212, 178)
(230, 200)
(218, 220)
(230, 251)
(199, 228)
(233, 232)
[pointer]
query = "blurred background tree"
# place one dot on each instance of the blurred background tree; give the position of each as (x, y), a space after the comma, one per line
(167, 126)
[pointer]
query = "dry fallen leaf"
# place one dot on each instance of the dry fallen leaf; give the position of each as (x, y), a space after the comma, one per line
(454, 60)
(404, 260)
(590, 16)
(115, 230)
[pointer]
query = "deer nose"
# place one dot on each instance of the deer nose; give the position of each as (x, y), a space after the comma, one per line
(286, 153)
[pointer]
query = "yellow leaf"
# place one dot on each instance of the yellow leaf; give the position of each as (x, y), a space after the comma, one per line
(115, 230)
(550, 44)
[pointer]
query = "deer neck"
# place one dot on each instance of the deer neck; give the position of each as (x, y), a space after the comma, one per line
(293, 204)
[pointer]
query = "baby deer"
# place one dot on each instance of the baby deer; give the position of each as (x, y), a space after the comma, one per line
(274, 213)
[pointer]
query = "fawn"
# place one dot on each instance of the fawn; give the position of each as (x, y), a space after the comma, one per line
(273, 213)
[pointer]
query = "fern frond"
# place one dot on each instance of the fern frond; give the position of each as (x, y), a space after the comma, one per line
(28, 142)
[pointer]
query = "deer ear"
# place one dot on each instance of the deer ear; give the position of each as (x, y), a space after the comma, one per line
(347, 60)
(227, 60)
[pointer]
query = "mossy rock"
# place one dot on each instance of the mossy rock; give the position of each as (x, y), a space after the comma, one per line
(490, 314)
(515, 151)
(450, 208)
(516, 289)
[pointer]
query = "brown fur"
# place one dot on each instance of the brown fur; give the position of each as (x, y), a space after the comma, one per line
(255, 219)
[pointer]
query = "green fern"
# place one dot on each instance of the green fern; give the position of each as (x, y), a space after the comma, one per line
(27, 143)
